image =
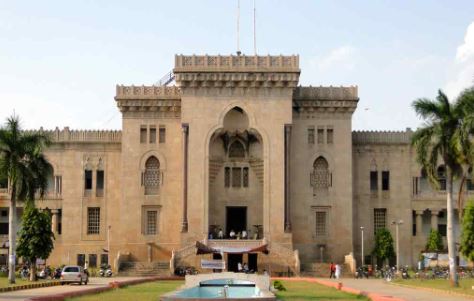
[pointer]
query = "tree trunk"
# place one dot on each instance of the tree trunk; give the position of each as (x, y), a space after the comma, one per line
(33, 270)
(461, 197)
(450, 228)
(12, 237)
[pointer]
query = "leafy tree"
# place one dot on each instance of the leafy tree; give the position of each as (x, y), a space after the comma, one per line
(444, 136)
(434, 242)
(35, 237)
(467, 232)
(23, 164)
(383, 248)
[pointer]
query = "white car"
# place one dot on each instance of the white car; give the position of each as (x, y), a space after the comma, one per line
(74, 274)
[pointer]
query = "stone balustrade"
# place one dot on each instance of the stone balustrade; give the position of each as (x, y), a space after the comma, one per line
(147, 92)
(235, 243)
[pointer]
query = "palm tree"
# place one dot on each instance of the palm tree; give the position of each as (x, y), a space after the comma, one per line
(437, 139)
(22, 162)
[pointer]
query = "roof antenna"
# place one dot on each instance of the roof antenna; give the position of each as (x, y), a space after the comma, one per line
(254, 29)
(238, 27)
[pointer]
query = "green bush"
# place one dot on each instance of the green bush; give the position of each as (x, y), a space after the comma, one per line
(279, 286)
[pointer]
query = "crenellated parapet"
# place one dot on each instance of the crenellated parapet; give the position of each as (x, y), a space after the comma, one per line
(382, 137)
(236, 63)
(234, 73)
(308, 100)
(149, 101)
(81, 136)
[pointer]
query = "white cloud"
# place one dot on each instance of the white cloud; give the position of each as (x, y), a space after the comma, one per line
(463, 75)
(342, 57)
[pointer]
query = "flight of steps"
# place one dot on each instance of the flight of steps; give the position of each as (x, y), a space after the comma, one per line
(144, 269)
(317, 269)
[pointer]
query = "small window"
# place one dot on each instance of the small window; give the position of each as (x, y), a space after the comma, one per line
(441, 172)
(151, 221)
(93, 260)
(162, 134)
(329, 135)
(58, 185)
(3, 228)
(373, 181)
(320, 135)
(60, 221)
(104, 259)
(93, 220)
(81, 260)
(320, 223)
(4, 213)
(442, 229)
(245, 177)
(380, 222)
(311, 135)
(152, 134)
(385, 180)
(227, 177)
(236, 177)
(100, 183)
(143, 134)
(88, 179)
(236, 150)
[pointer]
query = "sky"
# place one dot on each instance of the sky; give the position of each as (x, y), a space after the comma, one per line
(60, 60)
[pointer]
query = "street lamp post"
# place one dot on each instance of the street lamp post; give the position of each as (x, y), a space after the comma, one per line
(397, 224)
(362, 246)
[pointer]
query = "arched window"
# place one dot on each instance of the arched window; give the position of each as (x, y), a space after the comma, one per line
(236, 150)
(320, 177)
(151, 177)
(441, 173)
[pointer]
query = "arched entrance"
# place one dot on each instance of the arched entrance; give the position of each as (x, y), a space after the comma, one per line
(236, 178)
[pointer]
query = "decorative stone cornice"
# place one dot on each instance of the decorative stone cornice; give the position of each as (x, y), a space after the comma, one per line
(149, 101)
(382, 137)
(309, 100)
(234, 72)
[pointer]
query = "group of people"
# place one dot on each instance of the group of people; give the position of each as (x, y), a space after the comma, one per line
(232, 234)
(335, 270)
(243, 268)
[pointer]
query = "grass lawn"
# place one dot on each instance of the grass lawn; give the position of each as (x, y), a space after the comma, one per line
(140, 292)
(18, 281)
(296, 291)
(302, 291)
(465, 285)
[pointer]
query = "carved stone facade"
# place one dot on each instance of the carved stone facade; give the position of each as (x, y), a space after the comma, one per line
(235, 145)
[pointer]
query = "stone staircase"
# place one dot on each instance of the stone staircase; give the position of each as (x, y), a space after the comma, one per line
(144, 269)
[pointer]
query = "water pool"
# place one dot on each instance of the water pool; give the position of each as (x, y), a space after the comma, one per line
(212, 292)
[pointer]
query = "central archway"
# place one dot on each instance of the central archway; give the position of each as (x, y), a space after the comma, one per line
(236, 178)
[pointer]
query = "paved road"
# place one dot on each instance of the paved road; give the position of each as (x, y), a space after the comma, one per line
(25, 294)
(379, 286)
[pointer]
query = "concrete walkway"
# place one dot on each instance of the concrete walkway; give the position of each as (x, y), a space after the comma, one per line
(381, 287)
(44, 291)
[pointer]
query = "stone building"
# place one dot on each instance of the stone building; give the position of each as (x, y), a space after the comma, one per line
(236, 145)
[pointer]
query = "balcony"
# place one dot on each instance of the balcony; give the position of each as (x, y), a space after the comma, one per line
(235, 243)
(424, 191)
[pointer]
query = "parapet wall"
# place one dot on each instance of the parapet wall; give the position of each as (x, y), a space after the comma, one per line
(82, 136)
(326, 93)
(382, 137)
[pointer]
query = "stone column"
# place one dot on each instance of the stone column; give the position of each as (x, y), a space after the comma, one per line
(434, 219)
(185, 135)
(419, 222)
(287, 178)
(54, 221)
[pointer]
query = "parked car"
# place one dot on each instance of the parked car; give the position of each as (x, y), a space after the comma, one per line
(74, 274)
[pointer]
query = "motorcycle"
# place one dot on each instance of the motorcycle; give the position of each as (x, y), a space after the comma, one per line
(105, 271)
(24, 272)
(57, 273)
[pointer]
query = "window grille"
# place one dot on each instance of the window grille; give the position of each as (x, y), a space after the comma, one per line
(227, 177)
(380, 219)
(152, 134)
(152, 176)
(151, 221)
(236, 177)
(320, 223)
(93, 220)
(245, 177)
(320, 176)
(320, 136)
(311, 136)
